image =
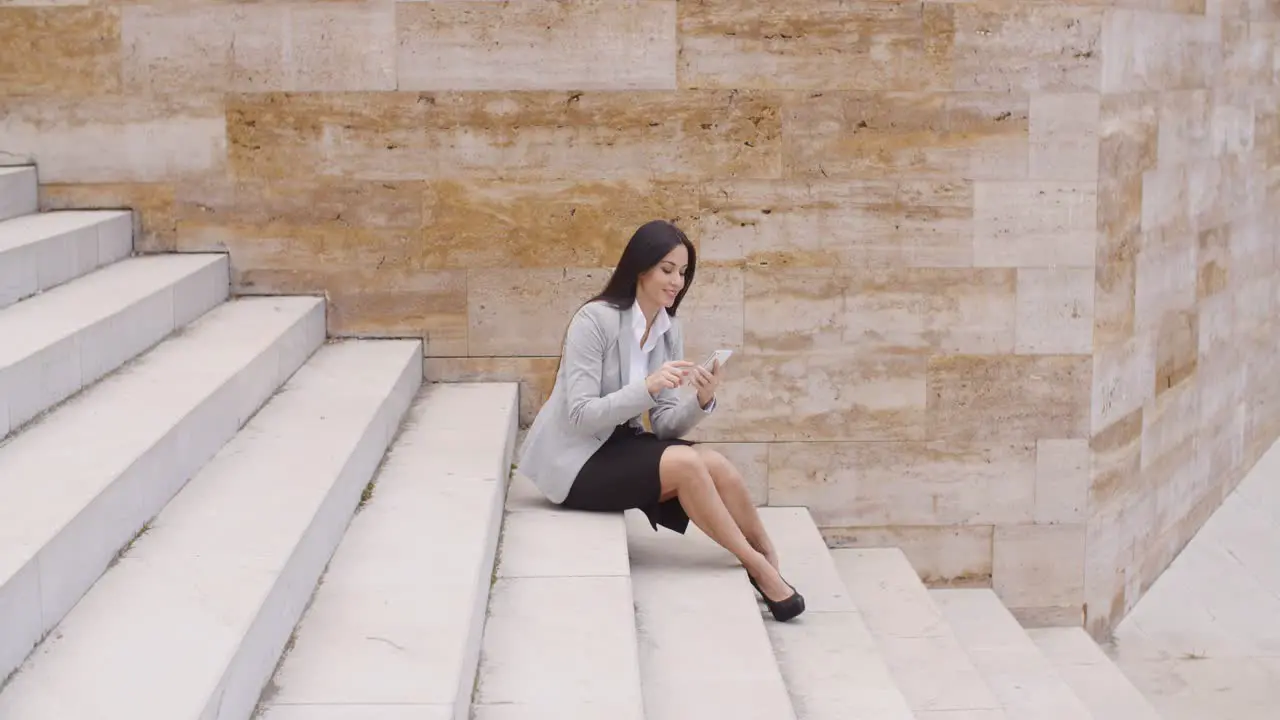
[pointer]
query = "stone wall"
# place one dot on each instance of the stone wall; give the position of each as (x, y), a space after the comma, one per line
(999, 273)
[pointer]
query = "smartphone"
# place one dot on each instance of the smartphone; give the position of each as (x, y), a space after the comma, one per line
(721, 355)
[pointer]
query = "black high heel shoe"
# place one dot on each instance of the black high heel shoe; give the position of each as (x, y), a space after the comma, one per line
(782, 610)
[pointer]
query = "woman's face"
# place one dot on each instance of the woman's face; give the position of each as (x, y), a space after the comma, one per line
(660, 284)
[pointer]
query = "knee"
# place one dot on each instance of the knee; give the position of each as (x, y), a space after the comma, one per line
(684, 464)
(725, 475)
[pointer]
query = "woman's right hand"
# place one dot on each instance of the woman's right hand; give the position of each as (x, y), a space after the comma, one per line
(668, 377)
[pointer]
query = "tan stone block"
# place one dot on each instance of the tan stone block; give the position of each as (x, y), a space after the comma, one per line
(856, 223)
(537, 45)
(1177, 350)
(1170, 421)
(911, 483)
(1062, 481)
(957, 556)
(812, 396)
(563, 223)
(1039, 566)
(1010, 398)
(151, 139)
(1116, 464)
(1064, 136)
(1035, 224)
(153, 206)
(59, 51)
(335, 45)
(527, 135)
(522, 312)
(1128, 134)
(1179, 480)
(816, 45)
(536, 376)
(752, 461)
(903, 134)
(1113, 300)
(1213, 258)
(1055, 311)
(1123, 379)
(906, 310)
(1027, 48)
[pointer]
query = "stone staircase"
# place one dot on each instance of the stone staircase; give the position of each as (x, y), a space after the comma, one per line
(208, 511)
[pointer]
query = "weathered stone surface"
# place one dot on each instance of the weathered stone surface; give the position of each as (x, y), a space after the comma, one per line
(973, 398)
(906, 134)
(1027, 47)
(955, 556)
(1035, 224)
(525, 312)
(153, 205)
(59, 51)
(536, 376)
(398, 136)
(1055, 311)
(1039, 566)
(1062, 481)
(1064, 136)
(539, 45)
(1123, 379)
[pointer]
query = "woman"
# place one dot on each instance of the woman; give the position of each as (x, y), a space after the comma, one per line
(624, 356)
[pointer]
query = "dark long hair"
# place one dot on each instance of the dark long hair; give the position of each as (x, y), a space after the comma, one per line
(646, 248)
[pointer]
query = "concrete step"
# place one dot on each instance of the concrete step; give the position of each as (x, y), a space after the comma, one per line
(192, 620)
(19, 191)
(68, 338)
(560, 635)
(1020, 676)
(42, 251)
(926, 660)
(399, 615)
(77, 484)
(704, 650)
(1091, 675)
(829, 661)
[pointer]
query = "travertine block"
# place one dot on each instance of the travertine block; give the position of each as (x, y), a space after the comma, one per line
(1213, 260)
(1123, 379)
(1186, 119)
(54, 51)
(538, 45)
(1008, 398)
(950, 310)
(1055, 311)
(1062, 481)
(536, 376)
(390, 136)
(1177, 350)
(153, 205)
(525, 312)
(1064, 136)
(1035, 224)
(1170, 421)
(815, 396)
(1027, 48)
(1116, 472)
(913, 135)
(1144, 50)
(823, 223)
(711, 313)
(1166, 278)
(956, 556)
(879, 484)
(815, 45)
(152, 139)
(1039, 566)
(340, 45)
(1113, 299)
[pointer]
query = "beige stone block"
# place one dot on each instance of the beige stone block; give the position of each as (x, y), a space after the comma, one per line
(1039, 566)
(906, 134)
(333, 46)
(821, 223)
(1113, 298)
(1009, 398)
(1116, 464)
(1035, 224)
(1064, 136)
(906, 310)
(1154, 51)
(957, 556)
(816, 45)
(1129, 132)
(1055, 311)
(70, 51)
(496, 135)
(881, 484)
(152, 139)
(536, 376)
(562, 223)
(1179, 480)
(1213, 260)
(1062, 481)
(1186, 132)
(711, 313)
(1026, 48)
(153, 205)
(521, 312)
(815, 396)
(1170, 421)
(537, 45)
(752, 461)
(1123, 379)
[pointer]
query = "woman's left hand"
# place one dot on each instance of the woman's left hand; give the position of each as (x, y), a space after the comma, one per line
(706, 381)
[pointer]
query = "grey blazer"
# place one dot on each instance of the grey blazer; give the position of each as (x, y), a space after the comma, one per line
(589, 399)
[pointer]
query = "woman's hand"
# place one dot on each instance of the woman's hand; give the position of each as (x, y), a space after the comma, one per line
(706, 381)
(668, 377)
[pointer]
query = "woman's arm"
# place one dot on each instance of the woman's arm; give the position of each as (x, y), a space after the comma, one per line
(676, 415)
(583, 360)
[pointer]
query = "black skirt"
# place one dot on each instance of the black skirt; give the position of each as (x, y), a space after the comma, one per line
(623, 474)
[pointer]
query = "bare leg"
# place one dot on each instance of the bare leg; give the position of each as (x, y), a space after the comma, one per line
(733, 491)
(685, 476)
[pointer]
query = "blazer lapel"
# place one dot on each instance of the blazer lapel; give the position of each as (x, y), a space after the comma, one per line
(624, 346)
